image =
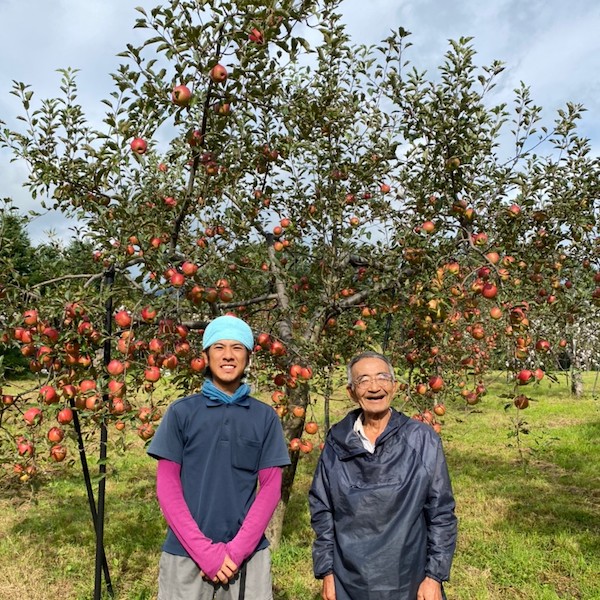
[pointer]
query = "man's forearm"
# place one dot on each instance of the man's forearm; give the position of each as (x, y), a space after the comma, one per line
(259, 515)
(207, 555)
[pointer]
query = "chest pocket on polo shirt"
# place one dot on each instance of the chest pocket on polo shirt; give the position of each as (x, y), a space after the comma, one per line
(245, 454)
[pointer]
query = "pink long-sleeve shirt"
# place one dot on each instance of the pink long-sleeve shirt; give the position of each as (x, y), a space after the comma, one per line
(206, 553)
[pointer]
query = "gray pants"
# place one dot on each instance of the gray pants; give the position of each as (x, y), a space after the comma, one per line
(179, 579)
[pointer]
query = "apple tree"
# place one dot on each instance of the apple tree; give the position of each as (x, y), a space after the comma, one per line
(253, 160)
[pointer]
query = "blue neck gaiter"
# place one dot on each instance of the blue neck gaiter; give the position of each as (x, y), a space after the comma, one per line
(214, 393)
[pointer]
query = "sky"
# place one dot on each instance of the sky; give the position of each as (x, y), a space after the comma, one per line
(551, 45)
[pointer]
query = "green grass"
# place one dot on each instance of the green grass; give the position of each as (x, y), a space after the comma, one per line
(529, 520)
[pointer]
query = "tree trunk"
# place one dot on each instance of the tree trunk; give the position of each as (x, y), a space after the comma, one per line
(576, 378)
(275, 527)
(576, 383)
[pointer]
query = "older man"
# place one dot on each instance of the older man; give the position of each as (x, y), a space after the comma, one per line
(381, 501)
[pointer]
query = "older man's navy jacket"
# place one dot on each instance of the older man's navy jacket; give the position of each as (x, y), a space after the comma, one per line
(383, 521)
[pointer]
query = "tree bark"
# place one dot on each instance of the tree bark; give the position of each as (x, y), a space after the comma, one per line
(576, 378)
(275, 527)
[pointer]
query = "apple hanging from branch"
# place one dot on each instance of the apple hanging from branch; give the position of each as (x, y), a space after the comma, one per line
(218, 74)
(181, 95)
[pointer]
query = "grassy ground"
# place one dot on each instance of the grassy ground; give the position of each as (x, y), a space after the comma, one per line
(529, 516)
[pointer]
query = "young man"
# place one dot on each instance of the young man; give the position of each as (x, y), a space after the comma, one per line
(381, 501)
(212, 449)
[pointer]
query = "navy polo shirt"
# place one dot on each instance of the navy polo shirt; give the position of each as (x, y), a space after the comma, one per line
(220, 447)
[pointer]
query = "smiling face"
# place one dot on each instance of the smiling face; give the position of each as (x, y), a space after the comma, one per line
(227, 360)
(373, 387)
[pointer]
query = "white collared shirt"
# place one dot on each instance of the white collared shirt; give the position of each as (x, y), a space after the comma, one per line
(360, 430)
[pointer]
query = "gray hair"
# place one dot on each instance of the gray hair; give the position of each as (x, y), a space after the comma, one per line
(368, 354)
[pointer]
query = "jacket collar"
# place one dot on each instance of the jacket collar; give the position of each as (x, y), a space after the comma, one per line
(347, 444)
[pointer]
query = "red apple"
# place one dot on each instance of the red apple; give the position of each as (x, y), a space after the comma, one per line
(495, 313)
(478, 332)
(222, 108)
(25, 447)
(87, 385)
(48, 394)
(58, 453)
(542, 346)
(65, 416)
(182, 348)
(226, 294)
(263, 339)
(439, 410)
(311, 427)
(51, 334)
(170, 362)
(115, 367)
(277, 397)
(524, 377)
(145, 431)
(189, 268)
(306, 373)
(123, 319)
(360, 325)
(181, 95)
(421, 389)
(56, 435)
(493, 257)
(277, 348)
(152, 374)
(139, 146)
(256, 36)
(295, 370)
(177, 279)
(148, 314)
(156, 345)
(489, 291)
(428, 226)
(306, 446)
(33, 416)
(30, 317)
(521, 401)
(436, 383)
(218, 73)
(198, 364)
(298, 411)
(195, 138)
(514, 210)
(116, 387)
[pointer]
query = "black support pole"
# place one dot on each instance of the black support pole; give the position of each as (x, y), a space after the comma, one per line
(109, 277)
(90, 494)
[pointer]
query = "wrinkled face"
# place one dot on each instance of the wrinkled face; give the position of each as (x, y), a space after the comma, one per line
(373, 386)
(227, 360)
